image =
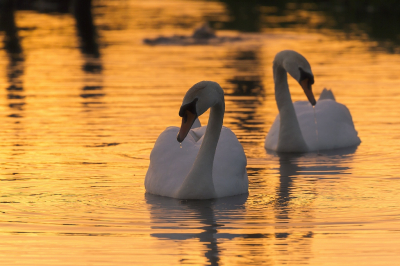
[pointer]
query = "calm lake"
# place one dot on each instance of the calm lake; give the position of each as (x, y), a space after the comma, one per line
(82, 106)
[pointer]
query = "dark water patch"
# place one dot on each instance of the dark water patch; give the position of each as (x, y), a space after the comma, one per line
(375, 20)
(203, 35)
(105, 144)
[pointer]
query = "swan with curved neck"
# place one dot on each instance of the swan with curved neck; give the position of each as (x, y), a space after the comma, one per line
(211, 162)
(294, 128)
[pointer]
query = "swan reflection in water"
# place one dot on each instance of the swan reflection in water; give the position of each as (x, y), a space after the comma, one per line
(297, 189)
(284, 197)
(325, 164)
(180, 217)
(211, 221)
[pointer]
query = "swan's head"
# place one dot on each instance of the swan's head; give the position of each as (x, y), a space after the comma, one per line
(198, 99)
(299, 68)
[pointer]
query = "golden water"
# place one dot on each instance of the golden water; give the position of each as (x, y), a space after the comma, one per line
(76, 138)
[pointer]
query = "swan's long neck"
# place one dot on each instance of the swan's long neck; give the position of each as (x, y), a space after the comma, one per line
(290, 137)
(199, 182)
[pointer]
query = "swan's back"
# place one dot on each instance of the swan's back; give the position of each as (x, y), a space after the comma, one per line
(335, 125)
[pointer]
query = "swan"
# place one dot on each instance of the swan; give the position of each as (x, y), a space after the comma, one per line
(294, 128)
(210, 162)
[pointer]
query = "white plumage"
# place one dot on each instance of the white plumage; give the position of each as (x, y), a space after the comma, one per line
(175, 172)
(334, 124)
(294, 129)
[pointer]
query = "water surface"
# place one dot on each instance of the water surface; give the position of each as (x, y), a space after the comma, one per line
(79, 118)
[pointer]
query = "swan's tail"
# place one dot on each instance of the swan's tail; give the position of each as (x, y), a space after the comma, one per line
(326, 94)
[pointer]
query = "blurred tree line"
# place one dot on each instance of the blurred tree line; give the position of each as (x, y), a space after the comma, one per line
(378, 19)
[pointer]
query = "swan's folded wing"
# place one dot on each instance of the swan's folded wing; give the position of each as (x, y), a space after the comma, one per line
(334, 123)
(229, 171)
(169, 163)
(326, 94)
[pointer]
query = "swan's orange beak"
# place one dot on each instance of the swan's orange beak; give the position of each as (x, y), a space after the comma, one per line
(187, 122)
(307, 90)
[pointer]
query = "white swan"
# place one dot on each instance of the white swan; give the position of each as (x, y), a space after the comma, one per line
(211, 162)
(294, 128)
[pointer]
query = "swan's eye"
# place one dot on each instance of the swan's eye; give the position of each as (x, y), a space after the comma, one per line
(191, 107)
(306, 76)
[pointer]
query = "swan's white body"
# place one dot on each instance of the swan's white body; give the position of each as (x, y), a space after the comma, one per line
(170, 164)
(334, 124)
(294, 129)
(211, 162)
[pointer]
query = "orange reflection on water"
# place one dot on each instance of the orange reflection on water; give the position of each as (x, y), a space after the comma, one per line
(79, 121)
